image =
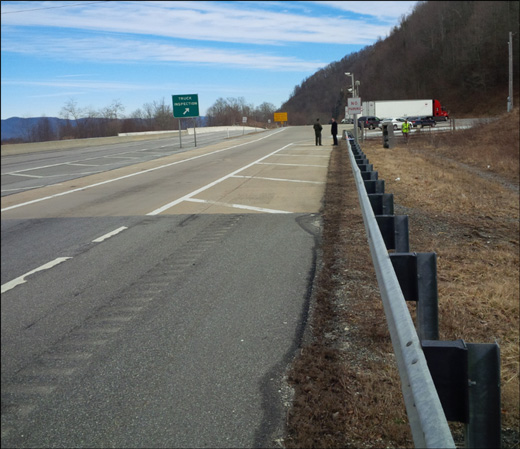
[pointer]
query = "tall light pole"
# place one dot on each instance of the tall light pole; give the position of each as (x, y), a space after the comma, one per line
(354, 96)
(353, 85)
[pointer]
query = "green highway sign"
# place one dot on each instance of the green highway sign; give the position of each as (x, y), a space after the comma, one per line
(185, 105)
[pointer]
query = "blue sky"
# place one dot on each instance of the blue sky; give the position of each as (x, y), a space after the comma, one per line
(138, 52)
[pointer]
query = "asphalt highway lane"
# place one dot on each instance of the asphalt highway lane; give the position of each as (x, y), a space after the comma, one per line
(47, 165)
(159, 304)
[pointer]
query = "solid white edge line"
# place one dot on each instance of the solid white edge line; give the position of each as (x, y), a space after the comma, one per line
(110, 234)
(21, 280)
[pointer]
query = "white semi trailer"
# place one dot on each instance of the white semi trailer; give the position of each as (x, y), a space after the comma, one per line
(405, 108)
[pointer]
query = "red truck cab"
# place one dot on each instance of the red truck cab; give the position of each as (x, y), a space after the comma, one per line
(439, 112)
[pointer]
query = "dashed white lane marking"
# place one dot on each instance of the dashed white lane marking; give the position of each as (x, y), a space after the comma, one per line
(31, 176)
(110, 234)
(21, 280)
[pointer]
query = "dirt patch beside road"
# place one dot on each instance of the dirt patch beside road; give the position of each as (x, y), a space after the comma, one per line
(347, 389)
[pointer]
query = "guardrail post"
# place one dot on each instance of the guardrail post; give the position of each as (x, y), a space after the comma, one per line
(484, 427)
(394, 229)
(370, 175)
(417, 276)
(365, 167)
(375, 186)
(361, 160)
(448, 365)
(357, 151)
(382, 203)
(467, 379)
(388, 136)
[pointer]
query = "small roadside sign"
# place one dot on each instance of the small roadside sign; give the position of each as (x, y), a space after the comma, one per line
(185, 105)
(280, 116)
(354, 106)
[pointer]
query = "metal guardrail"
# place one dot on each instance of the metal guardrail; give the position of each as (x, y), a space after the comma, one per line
(425, 413)
(441, 380)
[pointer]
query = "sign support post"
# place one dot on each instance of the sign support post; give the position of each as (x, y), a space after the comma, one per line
(354, 107)
(180, 137)
(185, 106)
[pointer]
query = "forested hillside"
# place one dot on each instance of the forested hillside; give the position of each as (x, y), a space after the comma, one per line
(454, 51)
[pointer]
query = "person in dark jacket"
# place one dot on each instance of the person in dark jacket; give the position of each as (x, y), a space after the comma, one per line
(334, 131)
(317, 131)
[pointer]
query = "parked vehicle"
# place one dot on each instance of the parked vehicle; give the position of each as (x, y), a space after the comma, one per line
(422, 121)
(406, 108)
(397, 123)
(349, 118)
(370, 122)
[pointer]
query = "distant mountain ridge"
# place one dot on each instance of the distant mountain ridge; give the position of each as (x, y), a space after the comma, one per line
(17, 129)
(21, 128)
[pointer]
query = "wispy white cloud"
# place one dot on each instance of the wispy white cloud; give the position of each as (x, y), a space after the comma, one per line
(157, 31)
(59, 95)
(140, 49)
(73, 75)
(211, 21)
(88, 86)
(115, 49)
(83, 84)
(385, 11)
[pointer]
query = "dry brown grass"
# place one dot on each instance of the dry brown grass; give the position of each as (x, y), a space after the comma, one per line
(492, 148)
(469, 215)
(347, 391)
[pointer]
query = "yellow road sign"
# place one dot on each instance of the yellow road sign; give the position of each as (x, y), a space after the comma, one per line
(280, 116)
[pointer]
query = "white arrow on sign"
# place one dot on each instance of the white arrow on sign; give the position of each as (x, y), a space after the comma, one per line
(186, 111)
